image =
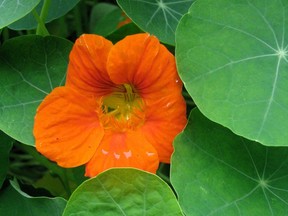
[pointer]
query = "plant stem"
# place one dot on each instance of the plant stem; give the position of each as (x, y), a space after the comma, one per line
(41, 28)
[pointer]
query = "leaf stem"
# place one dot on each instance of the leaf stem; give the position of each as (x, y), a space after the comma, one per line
(41, 28)
(65, 183)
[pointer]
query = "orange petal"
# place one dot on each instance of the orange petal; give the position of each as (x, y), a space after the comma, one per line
(129, 149)
(165, 118)
(66, 127)
(87, 66)
(142, 61)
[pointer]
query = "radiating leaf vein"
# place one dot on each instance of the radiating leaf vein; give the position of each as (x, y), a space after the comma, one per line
(23, 78)
(235, 62)
(270, 99)
(239, 30)
(20, 104)
(266, 22)
(225, 163)
(268, 203)
(109, 195)
(234, 202)
(278, 197)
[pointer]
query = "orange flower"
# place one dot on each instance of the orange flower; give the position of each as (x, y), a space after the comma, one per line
(121, 106)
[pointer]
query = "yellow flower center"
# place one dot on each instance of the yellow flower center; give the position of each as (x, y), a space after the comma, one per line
(123, 109)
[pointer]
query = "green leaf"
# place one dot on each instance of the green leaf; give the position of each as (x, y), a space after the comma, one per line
(123, 31)
(5, 147)
(57, 180)
(13, 201)
(57, 9)
(216, 172)
(123, 192)
(158, 17)
(13, 10)
(105, 19)
(235, 66)
(30, 67)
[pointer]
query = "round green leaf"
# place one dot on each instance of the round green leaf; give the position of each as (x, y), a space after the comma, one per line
(105, 18)
(13, 201)
(30, 67)
(5, 147)
(216, 172)
(235, 65)
(13, 10)
(123, 192)
(158, 17)
(57, 8)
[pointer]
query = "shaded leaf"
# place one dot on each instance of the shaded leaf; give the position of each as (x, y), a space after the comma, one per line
(158, 17)
(5, 147)
(235, 67)
(123, 31)
(59, 181)
(13, 201)
(216, 172)
(13, 10)
(57, 8)
(105, 19)
(123, 192)
(30, 67)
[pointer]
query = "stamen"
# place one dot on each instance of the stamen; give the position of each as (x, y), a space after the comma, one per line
(123, 109)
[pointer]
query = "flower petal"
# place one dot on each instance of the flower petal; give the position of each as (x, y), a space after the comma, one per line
(129, 149)
(66, 127)
(165, 118)
(142, 61)
(87, 65)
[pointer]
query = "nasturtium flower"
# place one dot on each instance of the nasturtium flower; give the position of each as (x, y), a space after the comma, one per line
(121, 106)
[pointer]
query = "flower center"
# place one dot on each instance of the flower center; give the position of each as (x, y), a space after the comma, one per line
(122, 109)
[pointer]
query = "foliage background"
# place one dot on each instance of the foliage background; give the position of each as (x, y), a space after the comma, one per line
(231, 159)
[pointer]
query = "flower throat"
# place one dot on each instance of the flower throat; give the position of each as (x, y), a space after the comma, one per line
(122, 109)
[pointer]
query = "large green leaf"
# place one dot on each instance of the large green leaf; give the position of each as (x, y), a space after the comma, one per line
(13, 10)
(5, 147)
(13, 201)
(158, 17)
(123, 192)
(30, 67)
(232, 57)
(57, 8)
(216, 172)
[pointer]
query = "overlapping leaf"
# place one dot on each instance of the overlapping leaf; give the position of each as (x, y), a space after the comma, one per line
(158, 17)
(30, 67)
(57, 8)
(13, 10)
(216, 172)
(233, 58)
(13, 201)
(105, 19)
(123, 192)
